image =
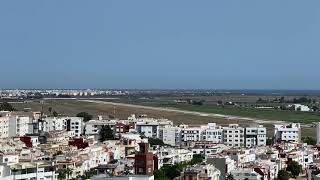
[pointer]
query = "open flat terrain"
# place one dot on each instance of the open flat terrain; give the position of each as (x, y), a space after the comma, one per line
(245, 110)
(72, 107)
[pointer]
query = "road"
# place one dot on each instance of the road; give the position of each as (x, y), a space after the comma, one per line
(228, 117)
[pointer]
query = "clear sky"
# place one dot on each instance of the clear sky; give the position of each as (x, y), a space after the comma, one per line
(160, 44)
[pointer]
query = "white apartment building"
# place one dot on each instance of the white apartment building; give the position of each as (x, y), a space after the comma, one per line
(93, 127)
(318, 132)
(4, 127)
(233, 136)
(148, 129)
(171, 135)
(63, 123)
(287, 133)
(27, 170)
(74, 124)
(300, 107)
(191, 134)
(53, 124)
(209, 149)
(212, 133)
(255, 135)
(23, 125)
(15, 126)
(172, 156)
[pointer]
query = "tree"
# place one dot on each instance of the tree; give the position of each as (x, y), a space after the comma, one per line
(283, 175)
(270, 141)
(155, 141)
(197, 159)
(315, 108)
(309, 140)
(86, 116)
(57, 153)
(295, 168)
(90, 173)
(105, 133)
(55, 114)
(5, 106)
(61, 174)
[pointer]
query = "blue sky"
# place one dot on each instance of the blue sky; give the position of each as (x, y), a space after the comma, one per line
(160, 44)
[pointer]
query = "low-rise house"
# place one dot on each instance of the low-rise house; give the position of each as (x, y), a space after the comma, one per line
(241, 156)
(208, 149)
(93, 127)
(224, 163)
(245, 173)
(28, 170)
(172, 156)
(200, 172)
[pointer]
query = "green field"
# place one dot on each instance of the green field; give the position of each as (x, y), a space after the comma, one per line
(289, 116)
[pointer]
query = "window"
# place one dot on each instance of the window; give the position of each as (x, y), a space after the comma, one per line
(140, 170)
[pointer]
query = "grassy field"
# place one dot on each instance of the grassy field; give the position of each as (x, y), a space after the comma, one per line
(72, 107)
(290, 116)
(266, 114)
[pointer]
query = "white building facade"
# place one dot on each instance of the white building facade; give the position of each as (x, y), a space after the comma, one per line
(233, 136)
(287, 133)
(255, 136)
(171, 135)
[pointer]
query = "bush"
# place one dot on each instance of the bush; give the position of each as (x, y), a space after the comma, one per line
(155, 141)
(309, 140)
(5, 106)
(295, 168)
(283, 175)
